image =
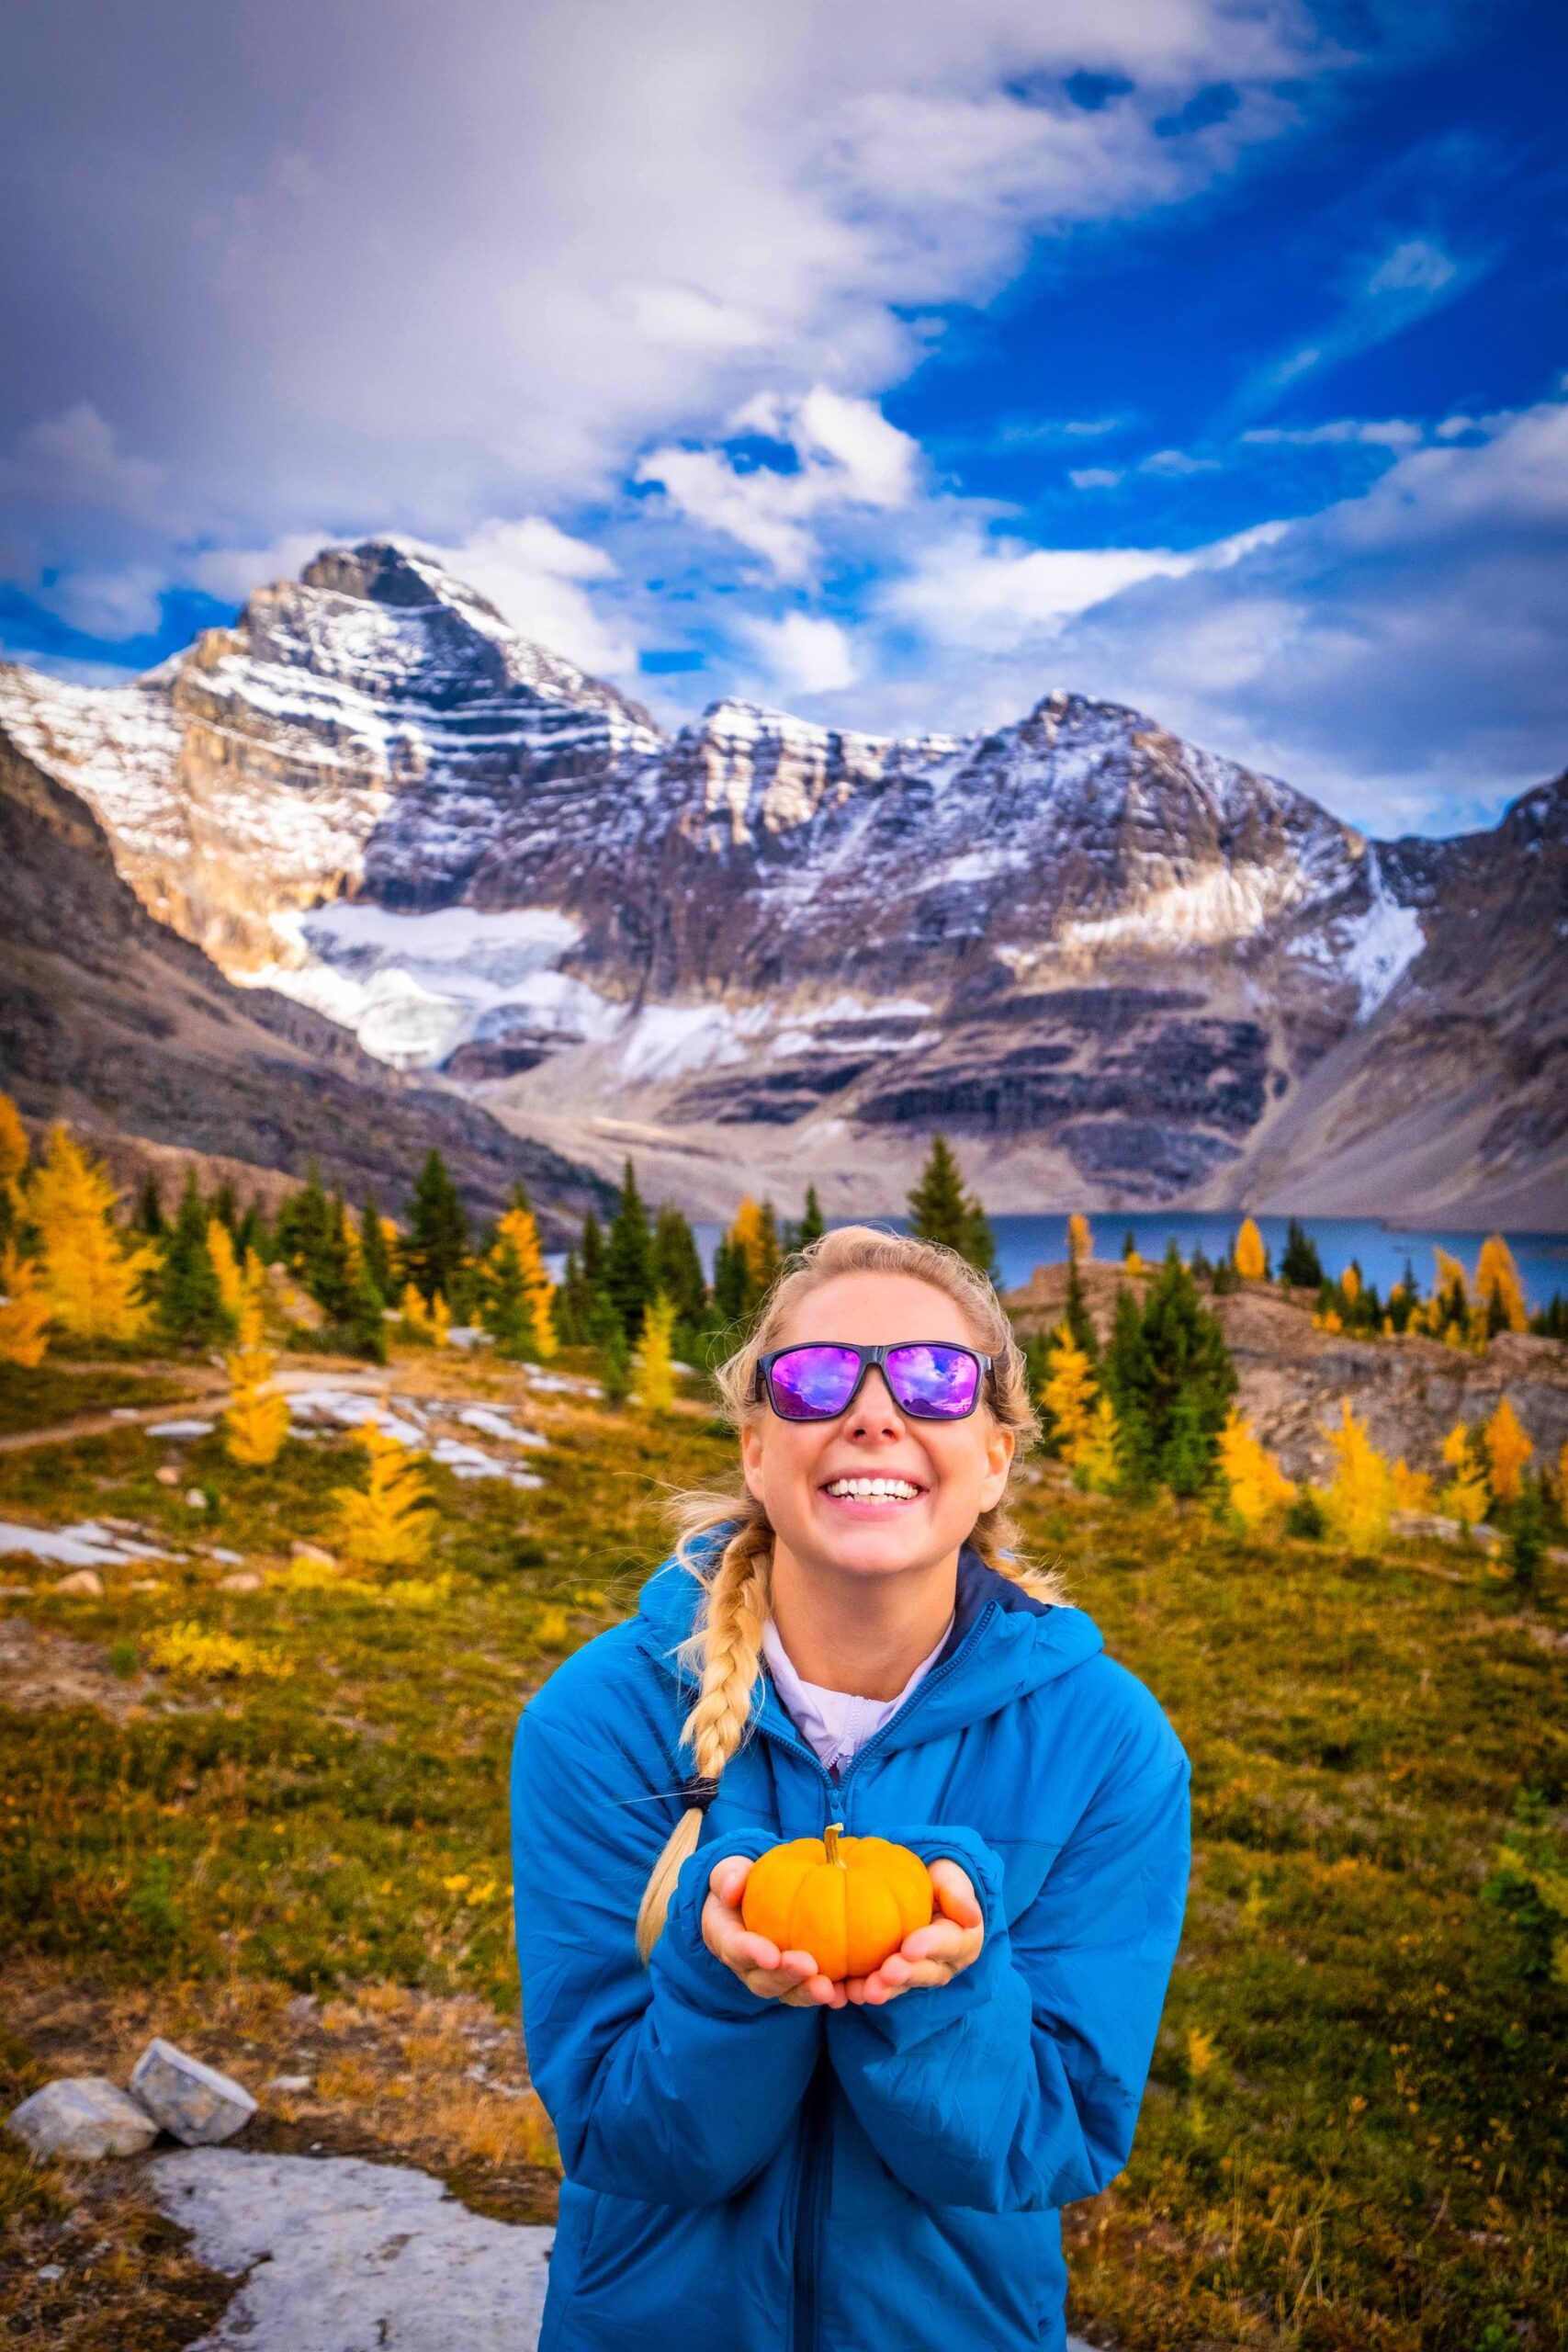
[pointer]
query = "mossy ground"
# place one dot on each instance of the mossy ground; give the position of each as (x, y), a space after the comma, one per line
(1354, 2135)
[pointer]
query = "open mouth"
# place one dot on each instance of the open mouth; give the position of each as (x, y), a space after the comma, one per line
(873, 1494)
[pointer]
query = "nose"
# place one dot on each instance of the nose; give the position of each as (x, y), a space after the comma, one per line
(875, 1412)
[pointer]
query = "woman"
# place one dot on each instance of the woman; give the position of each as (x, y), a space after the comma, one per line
(757, 2159)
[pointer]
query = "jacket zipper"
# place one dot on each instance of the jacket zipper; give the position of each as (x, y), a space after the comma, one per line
(816, 2169)
(835, 1788)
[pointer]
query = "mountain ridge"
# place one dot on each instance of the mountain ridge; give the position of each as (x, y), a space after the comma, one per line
(764, 951)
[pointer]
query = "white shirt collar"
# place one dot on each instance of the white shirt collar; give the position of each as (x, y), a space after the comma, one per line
(835, 1723)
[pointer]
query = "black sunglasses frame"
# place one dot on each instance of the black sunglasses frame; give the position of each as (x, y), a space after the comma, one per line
(762, 1383)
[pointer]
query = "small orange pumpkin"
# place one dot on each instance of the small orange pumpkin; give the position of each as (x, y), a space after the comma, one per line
(849, 1902)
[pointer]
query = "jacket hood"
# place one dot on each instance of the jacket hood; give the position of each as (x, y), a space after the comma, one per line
(1004, 1642)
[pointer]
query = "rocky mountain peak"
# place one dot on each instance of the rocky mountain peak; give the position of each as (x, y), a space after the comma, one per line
(389, 572)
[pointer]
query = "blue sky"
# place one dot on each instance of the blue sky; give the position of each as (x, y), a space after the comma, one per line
(892, 363)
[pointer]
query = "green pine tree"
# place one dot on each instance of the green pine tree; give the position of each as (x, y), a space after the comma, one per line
(331, 1275)
(678, 1271)
(616, 1376)
(189, 1304)
(1075, 1314)
(628, 1258)
(1190, 1358)
(433, 1254)
(505, 1310)
(1128, 1375)
(373, 1249)
(148, 1215)
(225, 1207)
(1186, 1458)
(941, 1209)
(734, 1292)
(1300, 1265)
(362, 1329)
(303, 1224)
(813, 1224)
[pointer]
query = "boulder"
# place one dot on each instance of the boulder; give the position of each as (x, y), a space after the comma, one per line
(315, 1555)
(83, 2117)
(242, 1580)
(192, 2101)
(82, 1584)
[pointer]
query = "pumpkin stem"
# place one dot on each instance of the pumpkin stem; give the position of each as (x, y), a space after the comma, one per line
(831, 1840)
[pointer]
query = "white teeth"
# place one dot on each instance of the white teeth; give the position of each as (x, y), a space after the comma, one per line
(873, 1489)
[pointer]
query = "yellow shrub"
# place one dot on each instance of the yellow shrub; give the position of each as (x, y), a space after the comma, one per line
(1257, 1483)
(1360, 1497)
(1508, 1448)
(190, 1653)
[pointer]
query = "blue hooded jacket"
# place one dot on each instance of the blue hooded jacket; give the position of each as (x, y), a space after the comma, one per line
(744, 2177)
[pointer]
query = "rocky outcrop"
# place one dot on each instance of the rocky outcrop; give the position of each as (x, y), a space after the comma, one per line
(1408, 1391)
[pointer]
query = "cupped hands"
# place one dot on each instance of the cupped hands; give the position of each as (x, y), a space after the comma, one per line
(929, 1955)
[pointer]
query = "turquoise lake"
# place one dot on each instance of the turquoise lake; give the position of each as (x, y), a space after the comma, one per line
(1381, 1251)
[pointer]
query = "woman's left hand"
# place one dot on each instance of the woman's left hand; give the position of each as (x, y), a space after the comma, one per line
(932, 1955)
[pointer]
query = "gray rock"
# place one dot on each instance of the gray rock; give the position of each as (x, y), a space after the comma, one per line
(342, 2255)
(191, 2100)
(83, 2117)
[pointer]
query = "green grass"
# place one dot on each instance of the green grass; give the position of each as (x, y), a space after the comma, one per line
(1355, 2131)
(50, 1394)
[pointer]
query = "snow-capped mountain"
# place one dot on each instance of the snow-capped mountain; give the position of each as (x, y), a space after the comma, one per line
(762, 950)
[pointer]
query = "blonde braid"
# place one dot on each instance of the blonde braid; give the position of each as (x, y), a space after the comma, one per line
(731, 1645)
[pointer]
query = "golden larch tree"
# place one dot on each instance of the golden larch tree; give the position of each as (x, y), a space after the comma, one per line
(1359, 1497)
(1250, 1258)
(226, 1266)
(1465, 1495)
(440, 1321)
(24, 1317)
(91, 1276)
(388, 1522)
(257, 1421)
(1258, 1484)
(520, 1227)
(1094, 1455)
(14, 1146)
(1080, 1238)
(654, 1361)
(1449, 1272)
(755, 1235)
(1350, 1284)
(414, 1325)
(1508, 1448)
(1498, 1276)
(1069, 1393)
(1412, 1488)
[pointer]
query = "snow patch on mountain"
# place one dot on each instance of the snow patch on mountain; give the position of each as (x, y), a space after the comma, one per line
(413, 987)
(1228, 902)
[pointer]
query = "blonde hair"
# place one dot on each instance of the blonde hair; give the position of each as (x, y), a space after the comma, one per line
(725, 1647)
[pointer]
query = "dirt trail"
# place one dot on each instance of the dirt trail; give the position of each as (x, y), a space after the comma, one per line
(205, 1389)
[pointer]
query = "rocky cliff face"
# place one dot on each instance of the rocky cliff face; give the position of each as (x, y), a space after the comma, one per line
(111, 1021)
(1124, 970)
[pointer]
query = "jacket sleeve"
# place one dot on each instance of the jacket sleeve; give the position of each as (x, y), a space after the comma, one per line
(671, 2084)
(1016, 2087)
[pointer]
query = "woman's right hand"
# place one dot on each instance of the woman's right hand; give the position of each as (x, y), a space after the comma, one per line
(792, 1977)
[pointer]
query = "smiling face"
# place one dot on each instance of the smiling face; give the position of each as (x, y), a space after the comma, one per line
(934, 1478)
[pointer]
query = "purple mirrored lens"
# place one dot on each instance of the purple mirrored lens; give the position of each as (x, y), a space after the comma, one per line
(934, 1383)
(813, 1383)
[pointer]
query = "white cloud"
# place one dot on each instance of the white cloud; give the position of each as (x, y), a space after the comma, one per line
(1094, 477)
(1391, 433)
(804, 655)
(845, 454)
(996, 595)
(75, 458)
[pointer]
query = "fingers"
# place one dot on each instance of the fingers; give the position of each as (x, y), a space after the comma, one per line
(727, 1878)
(955, 1893)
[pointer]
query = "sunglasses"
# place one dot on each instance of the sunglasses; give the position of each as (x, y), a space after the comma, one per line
(930, 1380)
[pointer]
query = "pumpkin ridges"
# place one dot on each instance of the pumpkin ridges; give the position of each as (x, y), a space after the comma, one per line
(849, 1913)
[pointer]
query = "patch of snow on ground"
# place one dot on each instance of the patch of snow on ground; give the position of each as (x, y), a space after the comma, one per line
(179, 1428)
(473, 1462)
(337, 2253)
(349, 1409)
(84, 1545)
(490, 1422)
